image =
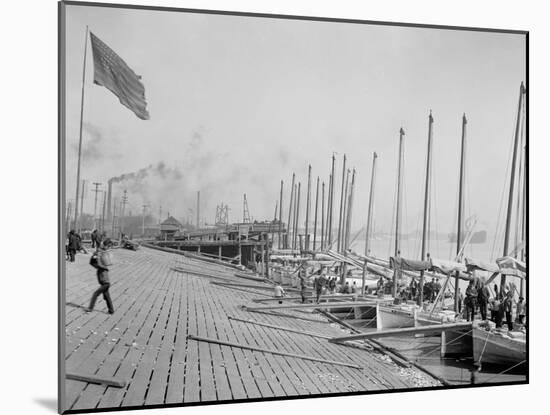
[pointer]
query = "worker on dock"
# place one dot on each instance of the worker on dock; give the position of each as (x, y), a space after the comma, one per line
(413, 286)
(471, 301)
(279, 292)
(346, 288)
(73, 244)
(520, 311)
(508, 306)
(332, 285)
(319, 284)
(101, 264)
(303, 289)
(483, 295)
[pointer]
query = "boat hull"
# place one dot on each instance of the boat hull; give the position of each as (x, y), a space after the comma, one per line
(394, 318)
(492, 348)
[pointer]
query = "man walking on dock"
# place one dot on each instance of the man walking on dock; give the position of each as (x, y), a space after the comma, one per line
(101, 264)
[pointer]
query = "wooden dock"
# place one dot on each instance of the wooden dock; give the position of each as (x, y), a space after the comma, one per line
(150, 344)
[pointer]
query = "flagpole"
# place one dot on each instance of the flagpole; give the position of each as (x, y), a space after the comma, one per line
(76, 213)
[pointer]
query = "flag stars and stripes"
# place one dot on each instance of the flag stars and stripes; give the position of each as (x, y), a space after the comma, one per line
(113, 73)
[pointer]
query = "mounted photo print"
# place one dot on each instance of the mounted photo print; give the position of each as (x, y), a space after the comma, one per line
(264, 207)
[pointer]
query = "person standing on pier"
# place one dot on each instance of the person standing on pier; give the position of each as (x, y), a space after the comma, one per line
(279, 293)
(303, 289)
(332, 285)
(482, 299)
(413, 287)
(102, 263)
(320, 284)
(520, 311)
(73, 244)
(508, 305)
(471, 300)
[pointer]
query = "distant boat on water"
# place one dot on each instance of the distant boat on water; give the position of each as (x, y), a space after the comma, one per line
(479, 237)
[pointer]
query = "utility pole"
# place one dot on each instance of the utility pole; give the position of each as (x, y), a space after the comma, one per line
(124, 201)
(114, 218)
(81, 205)
(96, 191)
(198, 207)
(103, 212)
(160, 215)
(143, 220)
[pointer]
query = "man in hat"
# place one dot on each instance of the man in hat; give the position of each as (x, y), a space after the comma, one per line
(102, 278)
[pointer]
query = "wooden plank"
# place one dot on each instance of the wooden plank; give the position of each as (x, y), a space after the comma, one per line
(308, 297)
(435, 328)
(244, 346)
(89, 378)
(305, 333)
(157, 387)
(319, 305)
(236, 284)
(206, 364)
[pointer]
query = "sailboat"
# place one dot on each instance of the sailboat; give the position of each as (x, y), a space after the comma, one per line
(493, 345)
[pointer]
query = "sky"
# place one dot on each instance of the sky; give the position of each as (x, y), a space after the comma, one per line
(238, 104)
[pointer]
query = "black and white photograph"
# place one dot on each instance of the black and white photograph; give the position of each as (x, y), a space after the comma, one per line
(270, 207)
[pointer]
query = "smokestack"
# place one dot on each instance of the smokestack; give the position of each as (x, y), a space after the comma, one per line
(198, 207)
(109, 206)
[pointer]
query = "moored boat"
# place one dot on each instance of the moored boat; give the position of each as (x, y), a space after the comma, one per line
(499, 347)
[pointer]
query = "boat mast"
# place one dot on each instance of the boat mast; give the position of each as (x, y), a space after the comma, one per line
(341, 204)
(308, 203)
(511, 192)
(426, 198)
(288, 226)
(330, 203)
(523, 225)
(315, 218)
(399, 194)
(369, 219)
(297, 220)
(323, 216)
(460, 203)
(280, 216)
(350, 210)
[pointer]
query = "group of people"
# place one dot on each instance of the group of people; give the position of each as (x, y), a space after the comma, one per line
(501, 305)
(73, 245)
(430, 290)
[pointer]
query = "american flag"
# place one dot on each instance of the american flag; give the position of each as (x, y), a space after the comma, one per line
(114, 74)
